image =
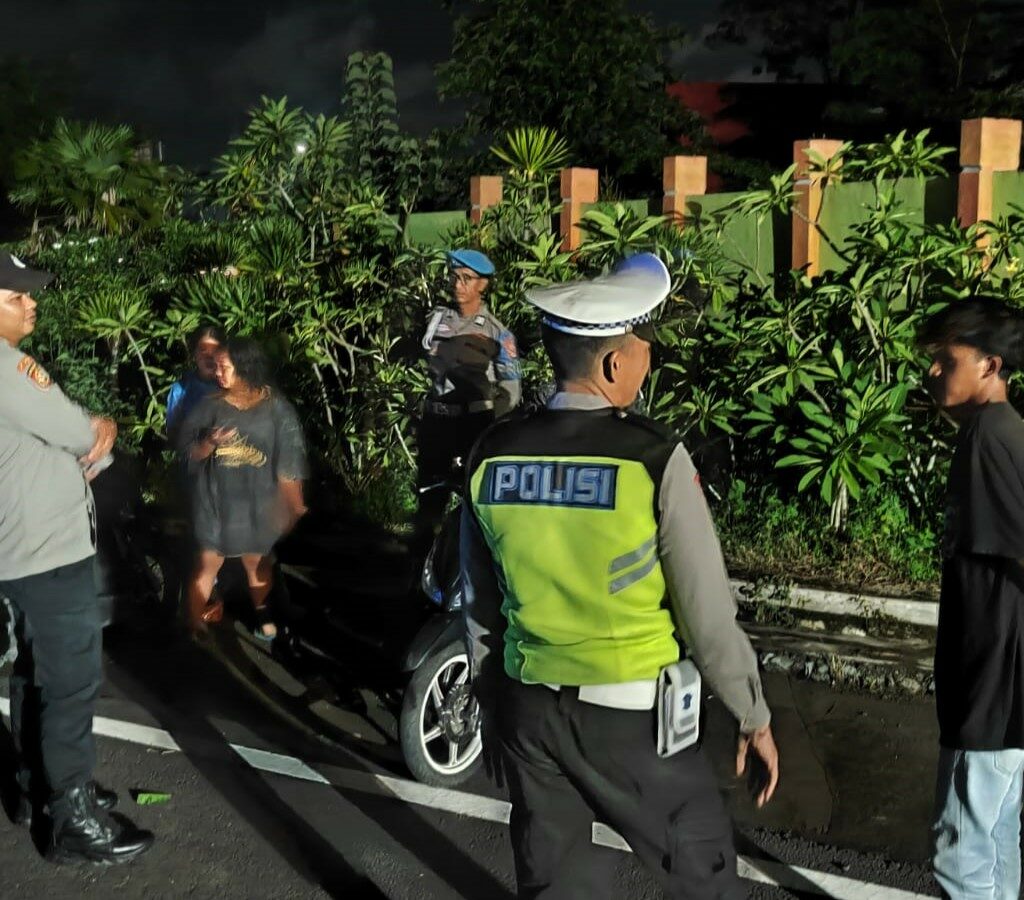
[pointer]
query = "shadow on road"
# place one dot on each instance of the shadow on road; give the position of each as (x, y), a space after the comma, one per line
(185, 687)
(177, 683)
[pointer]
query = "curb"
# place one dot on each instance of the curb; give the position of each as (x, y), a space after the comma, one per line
(914, 612)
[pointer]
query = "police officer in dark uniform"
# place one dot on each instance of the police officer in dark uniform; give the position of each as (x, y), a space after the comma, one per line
(474, 372)
(589, 557)
(50, 449)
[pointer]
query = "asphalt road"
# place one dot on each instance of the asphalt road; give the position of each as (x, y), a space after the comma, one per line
(286, 780)
(230, 830)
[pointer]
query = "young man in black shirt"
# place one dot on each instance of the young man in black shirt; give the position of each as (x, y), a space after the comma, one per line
(979, 658)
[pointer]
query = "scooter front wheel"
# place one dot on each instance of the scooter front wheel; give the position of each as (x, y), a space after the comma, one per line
(439, 725)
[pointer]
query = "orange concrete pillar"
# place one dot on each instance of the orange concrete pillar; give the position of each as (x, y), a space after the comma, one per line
(683, 177)
(810, 190)
(987, 146)
(484, 192)
(579, 186)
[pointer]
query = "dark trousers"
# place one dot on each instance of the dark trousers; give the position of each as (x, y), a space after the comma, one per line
(440, 439)
(56, 677)
(570, 763)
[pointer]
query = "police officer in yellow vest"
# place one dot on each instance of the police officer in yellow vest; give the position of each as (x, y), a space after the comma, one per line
(588, 554)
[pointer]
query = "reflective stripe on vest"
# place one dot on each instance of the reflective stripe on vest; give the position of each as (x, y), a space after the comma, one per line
(576, 541)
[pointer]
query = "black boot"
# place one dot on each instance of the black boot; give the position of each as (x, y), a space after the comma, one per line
(105, 800)
(82, 831)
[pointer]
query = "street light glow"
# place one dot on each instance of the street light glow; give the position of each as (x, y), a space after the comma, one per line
(301, 147)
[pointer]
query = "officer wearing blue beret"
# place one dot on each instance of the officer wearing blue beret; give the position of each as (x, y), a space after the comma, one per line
(474, 372)
(589, 564)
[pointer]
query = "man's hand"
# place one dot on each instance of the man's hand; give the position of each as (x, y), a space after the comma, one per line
(764, 773)
(105, 433)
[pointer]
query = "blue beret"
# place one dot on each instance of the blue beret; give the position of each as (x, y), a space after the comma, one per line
(471, 259)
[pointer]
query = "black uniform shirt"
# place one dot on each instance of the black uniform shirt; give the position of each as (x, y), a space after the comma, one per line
(472, 358)
(979, 655)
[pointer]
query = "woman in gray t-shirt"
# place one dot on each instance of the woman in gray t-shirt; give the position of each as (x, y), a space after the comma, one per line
(247, 460)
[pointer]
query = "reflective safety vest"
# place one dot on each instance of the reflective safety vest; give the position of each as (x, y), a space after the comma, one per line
(567, 501)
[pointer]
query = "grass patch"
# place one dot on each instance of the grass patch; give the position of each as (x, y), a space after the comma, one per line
(884, 549)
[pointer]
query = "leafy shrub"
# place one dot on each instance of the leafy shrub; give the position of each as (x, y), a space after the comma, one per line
(886, 548)
(800, 396)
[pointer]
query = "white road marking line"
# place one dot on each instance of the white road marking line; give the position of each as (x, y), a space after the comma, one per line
(288, 766)
(783, 875)
(124, 731)
(814, 882)
(488, 809)
(475, 806)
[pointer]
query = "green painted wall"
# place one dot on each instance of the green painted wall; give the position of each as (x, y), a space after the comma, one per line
(749, 243)
(640, 208)
(1007, 192)
(921, 201)
(429, 229)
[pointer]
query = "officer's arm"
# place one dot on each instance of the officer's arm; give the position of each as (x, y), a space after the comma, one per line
(36, 406)
(702, 601)
(481, 604)
(506, 369)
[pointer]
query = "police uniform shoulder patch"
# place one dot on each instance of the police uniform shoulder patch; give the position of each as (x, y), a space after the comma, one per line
(508, 344)
(35, 373)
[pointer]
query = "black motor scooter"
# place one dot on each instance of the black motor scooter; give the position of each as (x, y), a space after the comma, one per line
(349, 617)
(135, 552)
(439, 723)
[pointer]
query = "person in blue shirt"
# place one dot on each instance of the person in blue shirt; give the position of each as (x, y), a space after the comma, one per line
(204, 343)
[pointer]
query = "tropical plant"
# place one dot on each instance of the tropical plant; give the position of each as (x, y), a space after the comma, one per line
(804, 388)
(615, 231)
(841, 448)
(265, 169)
(28, 104)
(534, 156)
(121, 318)
(87, 175)
(379, 155)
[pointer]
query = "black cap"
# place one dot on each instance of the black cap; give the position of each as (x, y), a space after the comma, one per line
(16, 276)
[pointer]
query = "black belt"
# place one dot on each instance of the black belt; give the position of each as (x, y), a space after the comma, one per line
(452, 410)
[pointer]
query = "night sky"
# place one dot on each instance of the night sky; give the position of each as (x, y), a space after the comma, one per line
(186, 71)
